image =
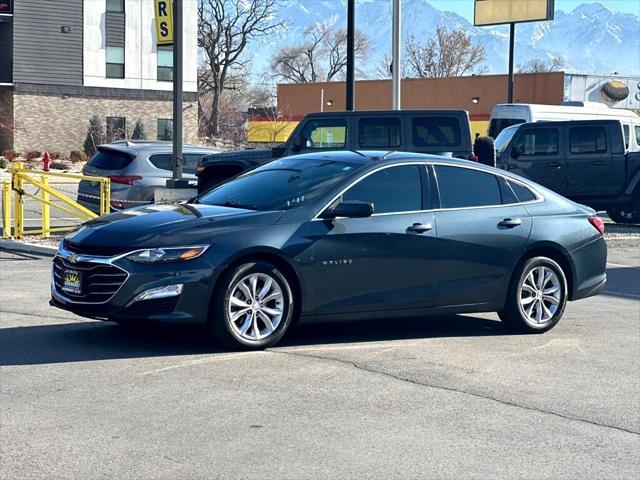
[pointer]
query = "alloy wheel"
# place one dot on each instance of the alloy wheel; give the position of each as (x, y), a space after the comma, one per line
(255, 307)
(540, 295)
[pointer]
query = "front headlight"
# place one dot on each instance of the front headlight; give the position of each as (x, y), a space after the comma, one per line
(164, 255)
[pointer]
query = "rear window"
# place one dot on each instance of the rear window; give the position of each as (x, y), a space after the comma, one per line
(379, 132)
(435, 131)
(189, 163)
(110, 160)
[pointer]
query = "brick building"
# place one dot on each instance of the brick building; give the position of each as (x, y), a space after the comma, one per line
(63, 61)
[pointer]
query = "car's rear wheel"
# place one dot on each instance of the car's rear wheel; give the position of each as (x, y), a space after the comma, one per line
(252, 307)
(629, 213)
(537, 296)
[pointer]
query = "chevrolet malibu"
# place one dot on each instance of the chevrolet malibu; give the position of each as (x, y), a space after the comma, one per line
(337, 236)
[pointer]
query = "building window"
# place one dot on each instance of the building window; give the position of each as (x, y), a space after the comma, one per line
(116, 128)
(165, 64)
(115, 62)
(165, 129)
(115, 6)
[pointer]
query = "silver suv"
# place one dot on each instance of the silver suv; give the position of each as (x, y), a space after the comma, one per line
(135, 169)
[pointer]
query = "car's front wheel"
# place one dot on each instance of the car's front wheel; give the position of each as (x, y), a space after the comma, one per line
(537, 296)
(252, 307)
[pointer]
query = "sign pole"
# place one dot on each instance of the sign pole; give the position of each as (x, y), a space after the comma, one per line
(512, 34)
(176, 159)
(351, 20)
(396, 64)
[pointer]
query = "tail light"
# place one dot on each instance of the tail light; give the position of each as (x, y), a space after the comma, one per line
(125, 179)
(199, 169)
(597, 223)
(473, 158)
(117, 204)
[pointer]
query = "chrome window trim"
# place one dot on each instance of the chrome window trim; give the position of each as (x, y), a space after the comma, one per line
(538, 195)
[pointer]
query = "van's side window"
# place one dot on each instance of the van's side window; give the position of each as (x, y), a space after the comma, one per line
(625, 129)
(324, 134)
(584, 140)
(435, 131)
(379, 132)
(637, 135)
(538, 141)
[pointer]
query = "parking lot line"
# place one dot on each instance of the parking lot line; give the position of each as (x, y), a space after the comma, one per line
(200, 361)
(622, 265)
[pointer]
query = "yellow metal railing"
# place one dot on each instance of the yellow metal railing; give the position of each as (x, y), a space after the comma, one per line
(21, 177)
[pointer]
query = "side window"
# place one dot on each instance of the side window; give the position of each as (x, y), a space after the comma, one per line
(190, 162)
(466, 187)
(162, 161)
(637, 135)
(435, 131)
(585, 140)
(379, 132)
(522, 193)
(538, 141)
(391, 190)
(324, 134)
(625, 129)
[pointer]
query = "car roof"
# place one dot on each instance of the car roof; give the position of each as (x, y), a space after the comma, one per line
(374, 157)
(349, 113)
(155, 146)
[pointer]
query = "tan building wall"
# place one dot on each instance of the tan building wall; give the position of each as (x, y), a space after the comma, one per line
(60, 123)
(296, 100)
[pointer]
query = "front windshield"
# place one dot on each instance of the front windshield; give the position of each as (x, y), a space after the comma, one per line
(281, 185)
(504, 138)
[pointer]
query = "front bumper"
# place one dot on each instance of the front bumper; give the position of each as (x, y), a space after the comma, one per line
(196, 276)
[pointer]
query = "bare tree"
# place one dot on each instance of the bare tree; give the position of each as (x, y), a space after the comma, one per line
(450, 53)
(537, 65)
(225, 27)
(322, 57)
(384, 68)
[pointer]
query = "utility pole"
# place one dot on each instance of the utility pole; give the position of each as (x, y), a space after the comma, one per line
(351, 52)
(176, 180)
(396, 63)
(512, 34)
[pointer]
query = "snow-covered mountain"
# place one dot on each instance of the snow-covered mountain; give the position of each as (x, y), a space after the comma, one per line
(592, 38)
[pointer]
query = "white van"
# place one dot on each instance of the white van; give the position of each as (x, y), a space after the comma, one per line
(504, 115)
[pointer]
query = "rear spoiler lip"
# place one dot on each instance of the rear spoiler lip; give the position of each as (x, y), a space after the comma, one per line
(117, 149)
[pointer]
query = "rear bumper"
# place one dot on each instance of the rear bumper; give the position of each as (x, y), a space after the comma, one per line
(590, 269)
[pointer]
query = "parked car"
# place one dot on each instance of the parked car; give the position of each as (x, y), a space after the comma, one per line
(135, 169)
(336, 236)
(505, 115)
(442, 132)
(584, 160)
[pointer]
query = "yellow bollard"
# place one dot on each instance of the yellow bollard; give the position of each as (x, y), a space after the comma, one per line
(6, 209)
(105, 196)
(18, 186)
(46, 210)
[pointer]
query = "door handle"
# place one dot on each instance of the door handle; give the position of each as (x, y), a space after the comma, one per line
(420, 227)
(554, 164)
(597, 162)
(510, 222)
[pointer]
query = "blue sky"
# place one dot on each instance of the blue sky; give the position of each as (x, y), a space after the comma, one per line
(465, 7)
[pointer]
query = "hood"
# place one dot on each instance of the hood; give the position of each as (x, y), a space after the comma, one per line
(165, 225)
(257, 155)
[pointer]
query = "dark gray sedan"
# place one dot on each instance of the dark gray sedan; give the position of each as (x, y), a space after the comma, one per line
(339, 235)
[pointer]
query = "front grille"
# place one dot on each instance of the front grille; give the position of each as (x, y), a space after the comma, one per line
(98, 251)
(99, 281)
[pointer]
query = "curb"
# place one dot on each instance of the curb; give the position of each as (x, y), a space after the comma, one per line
(627, 241)
(16, 246)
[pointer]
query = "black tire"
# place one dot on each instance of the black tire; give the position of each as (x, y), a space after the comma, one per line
(228, 332)
(515, 315)
(627, 214)
(484, 148)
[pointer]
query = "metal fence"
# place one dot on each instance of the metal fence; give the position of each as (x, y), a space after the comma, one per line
(42, 203)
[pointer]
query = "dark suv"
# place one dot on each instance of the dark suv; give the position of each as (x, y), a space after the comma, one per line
(441, 132)
(584, 160)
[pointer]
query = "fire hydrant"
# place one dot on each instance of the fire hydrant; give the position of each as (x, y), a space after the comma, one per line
(46, 161)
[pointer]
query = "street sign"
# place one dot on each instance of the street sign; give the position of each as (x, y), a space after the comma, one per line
(164, 21)
(496, 12)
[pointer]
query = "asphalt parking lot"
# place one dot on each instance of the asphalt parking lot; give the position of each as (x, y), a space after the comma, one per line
(446, 397)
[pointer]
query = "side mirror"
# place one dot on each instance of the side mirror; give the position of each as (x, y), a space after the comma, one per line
(351, 209)
(296, 143)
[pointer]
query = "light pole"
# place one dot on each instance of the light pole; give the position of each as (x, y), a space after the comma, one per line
(351, 52)
(396, 63)
(176, 180)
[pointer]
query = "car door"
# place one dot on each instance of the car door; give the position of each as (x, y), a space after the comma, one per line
(536, 153)
(590, 167)
(481, 231)
(381, 262)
